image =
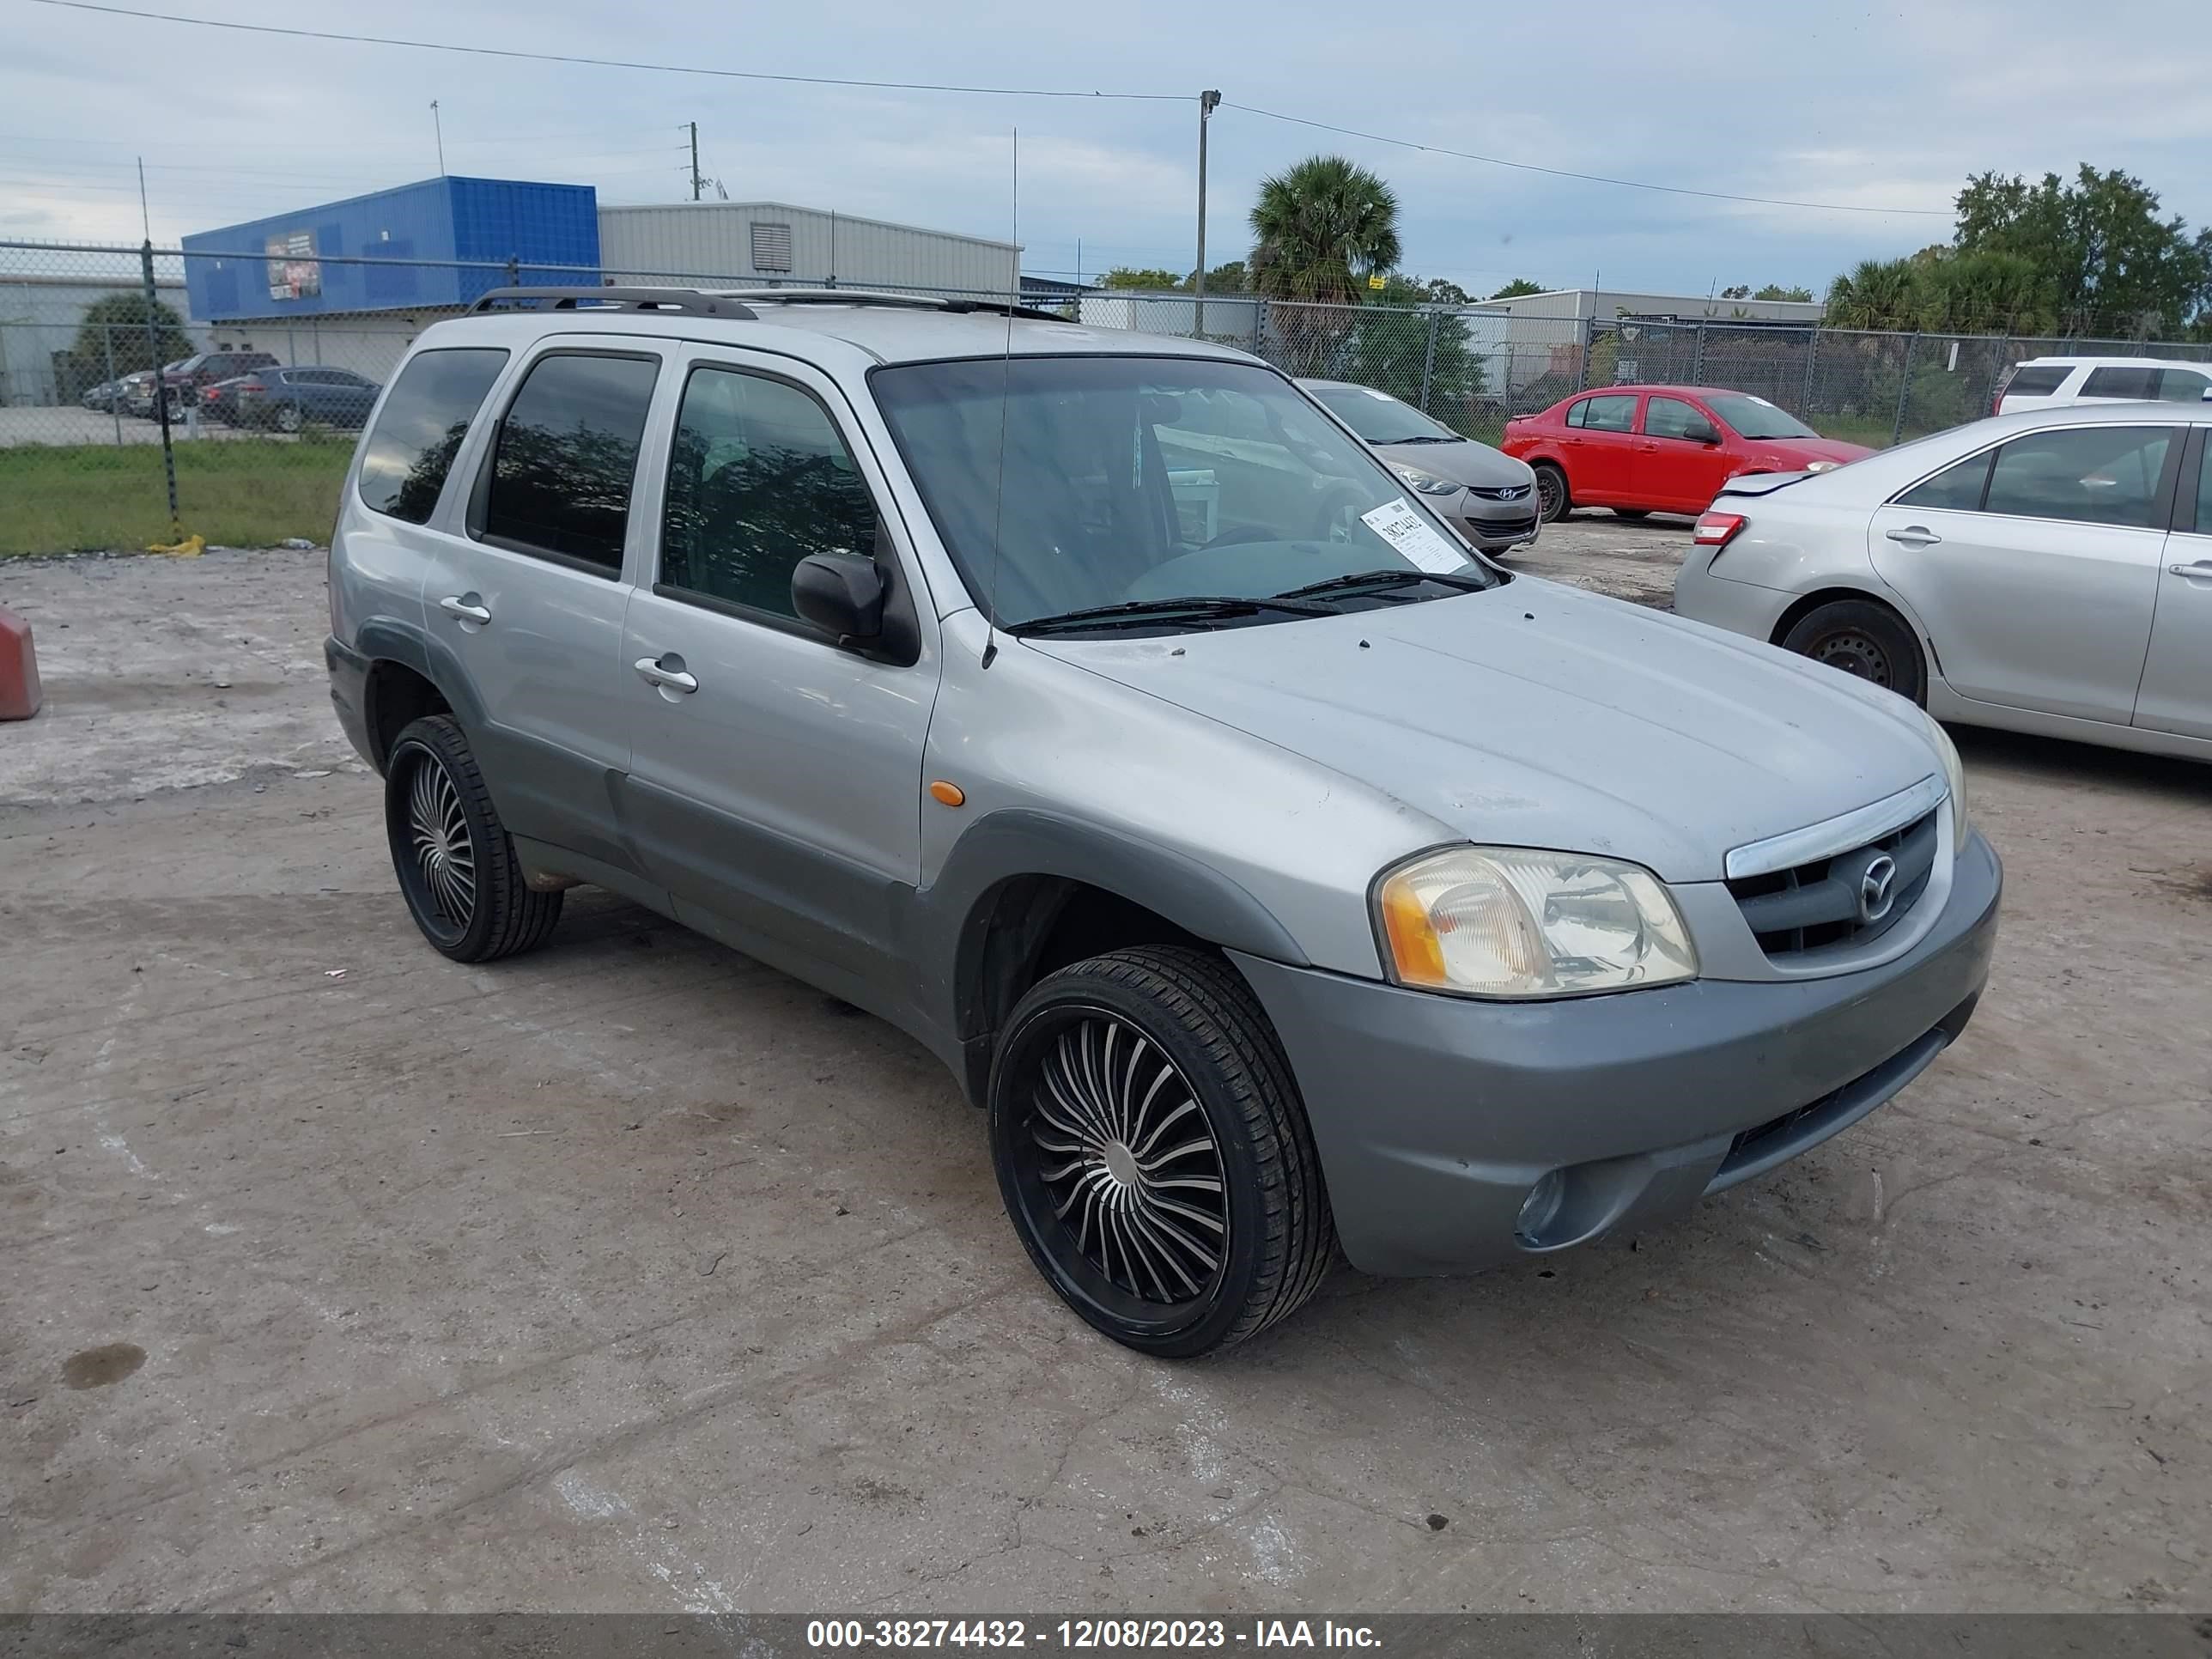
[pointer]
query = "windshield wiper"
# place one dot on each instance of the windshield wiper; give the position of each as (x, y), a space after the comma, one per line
(1194, 611)
(1376, 581)
(1417, 438)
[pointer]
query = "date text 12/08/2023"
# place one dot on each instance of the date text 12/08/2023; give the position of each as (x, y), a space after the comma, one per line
(830, 1635)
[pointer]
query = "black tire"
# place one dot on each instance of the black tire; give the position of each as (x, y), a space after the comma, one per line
(288, 419)
(1864, 638)
(438, 816)
(1202, 1031)
(1554, 501)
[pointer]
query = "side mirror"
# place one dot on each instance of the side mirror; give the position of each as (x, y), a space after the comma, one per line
(841, 594)
(1703, 433)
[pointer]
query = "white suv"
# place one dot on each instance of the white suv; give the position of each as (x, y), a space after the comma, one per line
(2048, 382)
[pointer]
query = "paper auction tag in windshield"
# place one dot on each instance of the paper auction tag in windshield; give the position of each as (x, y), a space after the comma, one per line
(1414, 536)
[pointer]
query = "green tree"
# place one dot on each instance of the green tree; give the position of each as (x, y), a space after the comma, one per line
(117, 324)
(2104, 259)
(1880, 294)
(1741, 291)
(1516, 288)
(1231, 277)
(1389, 348)
(1986, 291)
(1152, 277)
(1321, 228)
(1776, 291)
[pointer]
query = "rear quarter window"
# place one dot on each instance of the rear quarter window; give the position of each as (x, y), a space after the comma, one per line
(2036, 382)
(411, 447)
(2131, 385)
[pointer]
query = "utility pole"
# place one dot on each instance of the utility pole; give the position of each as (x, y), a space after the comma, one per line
(697, 183)
(439, 127)
(1207, 101)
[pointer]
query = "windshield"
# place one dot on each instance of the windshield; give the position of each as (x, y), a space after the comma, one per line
(1755, 417)
(1143, 480)
(1380, 418)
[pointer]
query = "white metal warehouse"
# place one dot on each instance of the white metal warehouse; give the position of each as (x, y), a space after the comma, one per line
(773, 242)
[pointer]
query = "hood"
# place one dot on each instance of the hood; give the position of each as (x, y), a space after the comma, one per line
(1539, 715)
(1464, 463)
(1794, 453)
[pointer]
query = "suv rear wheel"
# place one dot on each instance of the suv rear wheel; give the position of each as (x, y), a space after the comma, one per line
(1153, 1152)
(455, 862)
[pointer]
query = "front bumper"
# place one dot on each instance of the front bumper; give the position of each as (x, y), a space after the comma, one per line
(1492, 525)
(1434, 1115)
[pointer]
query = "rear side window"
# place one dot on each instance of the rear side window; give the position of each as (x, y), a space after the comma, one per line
(420, 431)
(1611, 414)
(1954, 490)
(566, 457)
(758, 479)
(2128, 383)
(2033, 382)
(2091, 475)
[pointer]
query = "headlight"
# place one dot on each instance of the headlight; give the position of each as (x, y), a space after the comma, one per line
(1427, 483)
(1954, 773)
(1506, 921)
(1822, 466)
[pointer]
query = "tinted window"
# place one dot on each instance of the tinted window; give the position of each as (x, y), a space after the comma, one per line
(2182, 386)
(1609, 414)
(758, 480)
(567, 455)
(2036, 382)
(2129, 383)
(1956, 489)
(411, 449)
(2202, 522)
(2095, 475)
(1670, 417)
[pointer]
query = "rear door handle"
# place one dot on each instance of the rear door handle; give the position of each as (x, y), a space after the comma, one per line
(654, 672)
(2199, 572)
(467, 606)
(1914, 535)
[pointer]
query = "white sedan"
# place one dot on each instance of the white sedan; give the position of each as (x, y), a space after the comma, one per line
(2049, 572)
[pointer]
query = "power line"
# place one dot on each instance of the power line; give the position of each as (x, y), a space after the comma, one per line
(610, 63)
(1555, 173)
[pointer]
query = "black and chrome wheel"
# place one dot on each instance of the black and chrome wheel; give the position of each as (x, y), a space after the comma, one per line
(1866, 640)
(1552, 502)
(1153, 1152)
(287, 417)
(455, 862)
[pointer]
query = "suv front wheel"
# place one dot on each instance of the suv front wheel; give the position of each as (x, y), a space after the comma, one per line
(1153, 1152)
(455, 862)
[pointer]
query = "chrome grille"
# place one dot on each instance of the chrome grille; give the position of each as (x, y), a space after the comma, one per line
(1830, 901)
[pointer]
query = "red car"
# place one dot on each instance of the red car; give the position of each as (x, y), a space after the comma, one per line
(1641, 449)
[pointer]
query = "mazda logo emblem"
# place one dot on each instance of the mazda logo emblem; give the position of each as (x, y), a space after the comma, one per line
(1877, 889)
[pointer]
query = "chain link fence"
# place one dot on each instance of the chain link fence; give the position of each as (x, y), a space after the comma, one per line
(130, 418)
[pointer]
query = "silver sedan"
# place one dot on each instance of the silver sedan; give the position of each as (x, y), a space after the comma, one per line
(1488, 496)
(2048, 572)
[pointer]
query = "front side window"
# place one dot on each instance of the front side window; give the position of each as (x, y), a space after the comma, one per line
(1954, 490)
(1670, 417)
(1609, 414)
(1065, 484)
(566, 456)
(404, 463)
(758, 479)
(2092, 475)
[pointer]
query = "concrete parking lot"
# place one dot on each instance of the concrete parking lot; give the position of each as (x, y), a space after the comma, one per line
(630, 1274)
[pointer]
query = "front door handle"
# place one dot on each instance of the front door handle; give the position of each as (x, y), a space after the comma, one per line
(468, 607)
(1913, 535)
(2199, 572)
(655, 671)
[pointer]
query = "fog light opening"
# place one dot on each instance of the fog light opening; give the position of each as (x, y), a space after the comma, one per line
(1541, 1207)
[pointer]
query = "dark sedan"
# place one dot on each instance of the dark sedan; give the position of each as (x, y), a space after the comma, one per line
(289, 398)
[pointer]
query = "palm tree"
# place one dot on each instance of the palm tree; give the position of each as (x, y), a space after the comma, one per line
(1322, 228)
(1876, 293)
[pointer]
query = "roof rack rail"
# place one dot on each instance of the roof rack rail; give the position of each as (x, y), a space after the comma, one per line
(867, 296)
(690, 300)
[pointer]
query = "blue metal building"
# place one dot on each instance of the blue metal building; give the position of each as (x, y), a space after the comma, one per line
(302, 264)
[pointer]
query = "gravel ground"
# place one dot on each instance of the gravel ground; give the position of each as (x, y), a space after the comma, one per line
(633, 1275)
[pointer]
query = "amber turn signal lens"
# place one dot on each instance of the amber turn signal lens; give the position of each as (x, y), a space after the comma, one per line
(947, 794)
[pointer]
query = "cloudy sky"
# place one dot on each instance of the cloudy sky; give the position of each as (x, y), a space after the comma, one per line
(1886, 107)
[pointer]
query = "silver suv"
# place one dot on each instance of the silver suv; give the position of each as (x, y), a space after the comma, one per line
(1100, 710)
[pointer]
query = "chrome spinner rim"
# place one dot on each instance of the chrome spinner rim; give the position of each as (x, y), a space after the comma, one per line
(438, 833)
(1129, 1162)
